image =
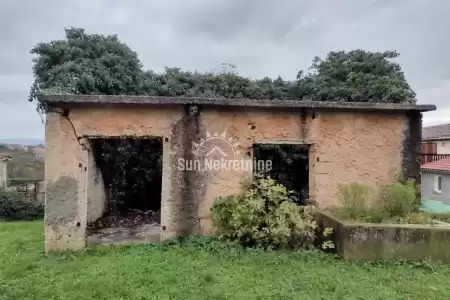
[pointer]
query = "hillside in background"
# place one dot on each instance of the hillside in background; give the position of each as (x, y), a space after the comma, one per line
(31, 142)
(27, 163)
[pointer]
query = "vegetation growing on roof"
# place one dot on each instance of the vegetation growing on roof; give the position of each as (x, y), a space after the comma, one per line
(85, 63)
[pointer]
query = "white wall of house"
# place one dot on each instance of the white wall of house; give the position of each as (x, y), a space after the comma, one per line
(443, 147)
(431, 190)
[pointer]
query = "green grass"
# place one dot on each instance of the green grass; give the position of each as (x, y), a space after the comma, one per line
(198, 269)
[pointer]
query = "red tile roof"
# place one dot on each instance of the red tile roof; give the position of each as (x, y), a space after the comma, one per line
(436, 132)
(438, 165)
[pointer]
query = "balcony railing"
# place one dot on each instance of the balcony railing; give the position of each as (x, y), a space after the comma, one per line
(427, 158)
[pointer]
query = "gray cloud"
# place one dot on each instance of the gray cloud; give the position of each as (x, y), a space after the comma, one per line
(263, 38)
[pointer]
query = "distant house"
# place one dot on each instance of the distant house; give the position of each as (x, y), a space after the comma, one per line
(14, 147)
(435, 143)
(436, 139)
(39, 151)
(4, 158)
(436, 180)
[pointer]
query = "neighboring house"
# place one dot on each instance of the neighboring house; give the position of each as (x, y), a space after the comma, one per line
(39, 151)
(4, 170)
(436, 139)
(436, 180)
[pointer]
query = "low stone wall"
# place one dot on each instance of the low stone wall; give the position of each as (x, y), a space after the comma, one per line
(34, 191)
(377, 242)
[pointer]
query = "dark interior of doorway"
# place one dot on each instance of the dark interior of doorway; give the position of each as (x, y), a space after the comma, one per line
(290, 166)
(132, 174)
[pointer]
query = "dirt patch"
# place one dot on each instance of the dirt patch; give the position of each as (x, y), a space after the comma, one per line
(130, 219)
(147, 233)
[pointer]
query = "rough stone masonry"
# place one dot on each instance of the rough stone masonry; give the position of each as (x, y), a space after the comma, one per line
(347, 142)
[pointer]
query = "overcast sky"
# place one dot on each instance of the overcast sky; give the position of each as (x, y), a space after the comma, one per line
(261, 37)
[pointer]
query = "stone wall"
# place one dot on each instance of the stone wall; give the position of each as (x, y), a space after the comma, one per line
(3, 174)
(65, 185)
(379, 242)
(40, 191)
(345, 146)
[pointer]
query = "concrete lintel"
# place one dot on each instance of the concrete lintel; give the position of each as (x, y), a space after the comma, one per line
(283, 142)
(111, 100)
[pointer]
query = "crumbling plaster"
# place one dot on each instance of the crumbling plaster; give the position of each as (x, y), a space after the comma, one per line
(345, 146)
(65, 186)
(97, 193)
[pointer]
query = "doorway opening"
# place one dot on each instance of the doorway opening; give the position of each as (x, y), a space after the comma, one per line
(290, 167)
(124, 190)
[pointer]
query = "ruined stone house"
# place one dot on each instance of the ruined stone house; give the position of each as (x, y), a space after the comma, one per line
(344, 142)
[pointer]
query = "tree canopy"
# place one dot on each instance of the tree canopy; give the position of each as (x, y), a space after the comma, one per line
(98, 64)
(85, 64)
(357, 76)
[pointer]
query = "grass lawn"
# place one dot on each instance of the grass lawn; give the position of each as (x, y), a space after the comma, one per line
(200, 271)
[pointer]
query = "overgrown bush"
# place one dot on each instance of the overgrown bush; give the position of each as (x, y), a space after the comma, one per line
(355, 199)
(413, 218)
(400, 198)
(14, 207)
(266, 216)
(443, 217)
(397, 203)
(358, 204)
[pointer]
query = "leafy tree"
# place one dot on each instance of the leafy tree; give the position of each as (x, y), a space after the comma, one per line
(356, 76)
(97, 64)
(85, 64)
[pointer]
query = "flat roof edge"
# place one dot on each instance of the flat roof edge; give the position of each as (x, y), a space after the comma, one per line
(67, 100)
(431, 170)
(431, 139)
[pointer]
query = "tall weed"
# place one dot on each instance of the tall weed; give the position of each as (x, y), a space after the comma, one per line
(397, 202)
(355, 199)
(400, 198)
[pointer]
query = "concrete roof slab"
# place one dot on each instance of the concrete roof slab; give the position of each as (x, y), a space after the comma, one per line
(109, 100)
